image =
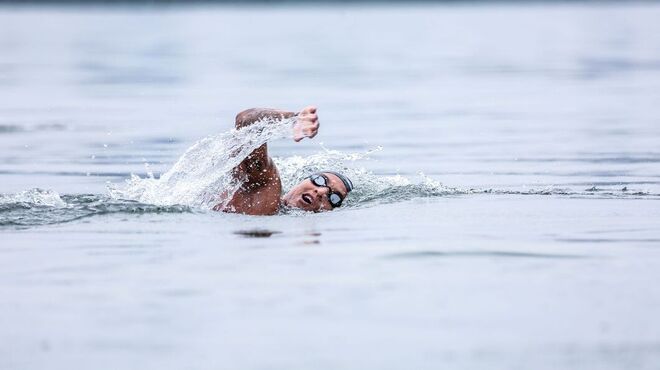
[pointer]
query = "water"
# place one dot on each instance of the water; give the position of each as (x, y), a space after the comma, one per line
(204, 171)
(506, 215)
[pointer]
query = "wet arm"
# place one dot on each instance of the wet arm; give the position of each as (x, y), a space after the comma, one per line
(250, 116)
(257, 168)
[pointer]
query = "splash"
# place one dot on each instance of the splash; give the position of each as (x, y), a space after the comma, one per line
(202, 175)
(46, 207)
(32, 197)
(370, 189)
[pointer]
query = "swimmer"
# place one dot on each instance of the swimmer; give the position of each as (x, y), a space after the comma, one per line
(261, 189)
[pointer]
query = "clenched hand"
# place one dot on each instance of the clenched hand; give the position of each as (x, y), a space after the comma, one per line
(307, 124)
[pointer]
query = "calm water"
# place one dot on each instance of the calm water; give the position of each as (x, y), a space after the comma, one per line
(531, 241)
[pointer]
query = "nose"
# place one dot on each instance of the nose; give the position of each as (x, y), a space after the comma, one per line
(321, 191)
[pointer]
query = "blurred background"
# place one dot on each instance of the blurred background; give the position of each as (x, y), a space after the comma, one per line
(478, 94)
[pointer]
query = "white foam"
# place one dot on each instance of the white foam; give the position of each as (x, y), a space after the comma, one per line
(203, 172)
(39, 197)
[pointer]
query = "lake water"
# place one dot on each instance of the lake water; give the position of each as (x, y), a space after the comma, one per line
(508, 170)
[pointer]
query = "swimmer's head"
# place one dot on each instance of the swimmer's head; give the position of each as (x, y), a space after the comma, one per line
(320, 192)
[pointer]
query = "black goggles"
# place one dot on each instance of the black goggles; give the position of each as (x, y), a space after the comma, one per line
(334, 197)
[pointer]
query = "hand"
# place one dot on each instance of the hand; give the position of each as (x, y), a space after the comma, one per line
(307, 124)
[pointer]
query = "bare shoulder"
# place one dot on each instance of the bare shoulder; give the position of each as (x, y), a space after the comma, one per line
(261, 198)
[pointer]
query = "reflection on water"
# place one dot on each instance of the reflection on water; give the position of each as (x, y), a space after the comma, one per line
(256, 233)
(488, 254)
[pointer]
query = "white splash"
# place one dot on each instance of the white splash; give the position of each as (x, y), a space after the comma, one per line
(202, 177)
(369, 188)
(203, 173)
(38, 197)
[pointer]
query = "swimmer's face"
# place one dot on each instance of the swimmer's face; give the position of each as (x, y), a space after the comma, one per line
(310, 197)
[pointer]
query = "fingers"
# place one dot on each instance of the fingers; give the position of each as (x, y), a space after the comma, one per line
(309, 131)
(310, 121)
(307, 124)
(309, 109)
(308, 116)
(312, 128)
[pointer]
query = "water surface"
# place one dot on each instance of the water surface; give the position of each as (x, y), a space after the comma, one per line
(510, 219)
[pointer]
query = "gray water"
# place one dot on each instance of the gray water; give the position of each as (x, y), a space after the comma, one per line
(510, 220)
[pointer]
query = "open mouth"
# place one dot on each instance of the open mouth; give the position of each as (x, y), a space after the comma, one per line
(307, 199)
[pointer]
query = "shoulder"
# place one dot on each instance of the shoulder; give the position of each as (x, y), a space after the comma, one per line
(257, 198)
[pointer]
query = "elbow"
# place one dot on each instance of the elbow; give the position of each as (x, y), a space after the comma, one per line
(245, 117)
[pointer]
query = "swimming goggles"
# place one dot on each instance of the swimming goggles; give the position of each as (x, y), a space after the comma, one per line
(334, 197)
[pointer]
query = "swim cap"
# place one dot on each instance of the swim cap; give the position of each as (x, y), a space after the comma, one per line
(347, 182)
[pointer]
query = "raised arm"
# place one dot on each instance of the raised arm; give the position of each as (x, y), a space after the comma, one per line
(252, 115)
(257, 169)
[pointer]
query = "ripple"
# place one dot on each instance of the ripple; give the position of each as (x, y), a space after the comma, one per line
(43, 207)
(489, 254)
(10, 128)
